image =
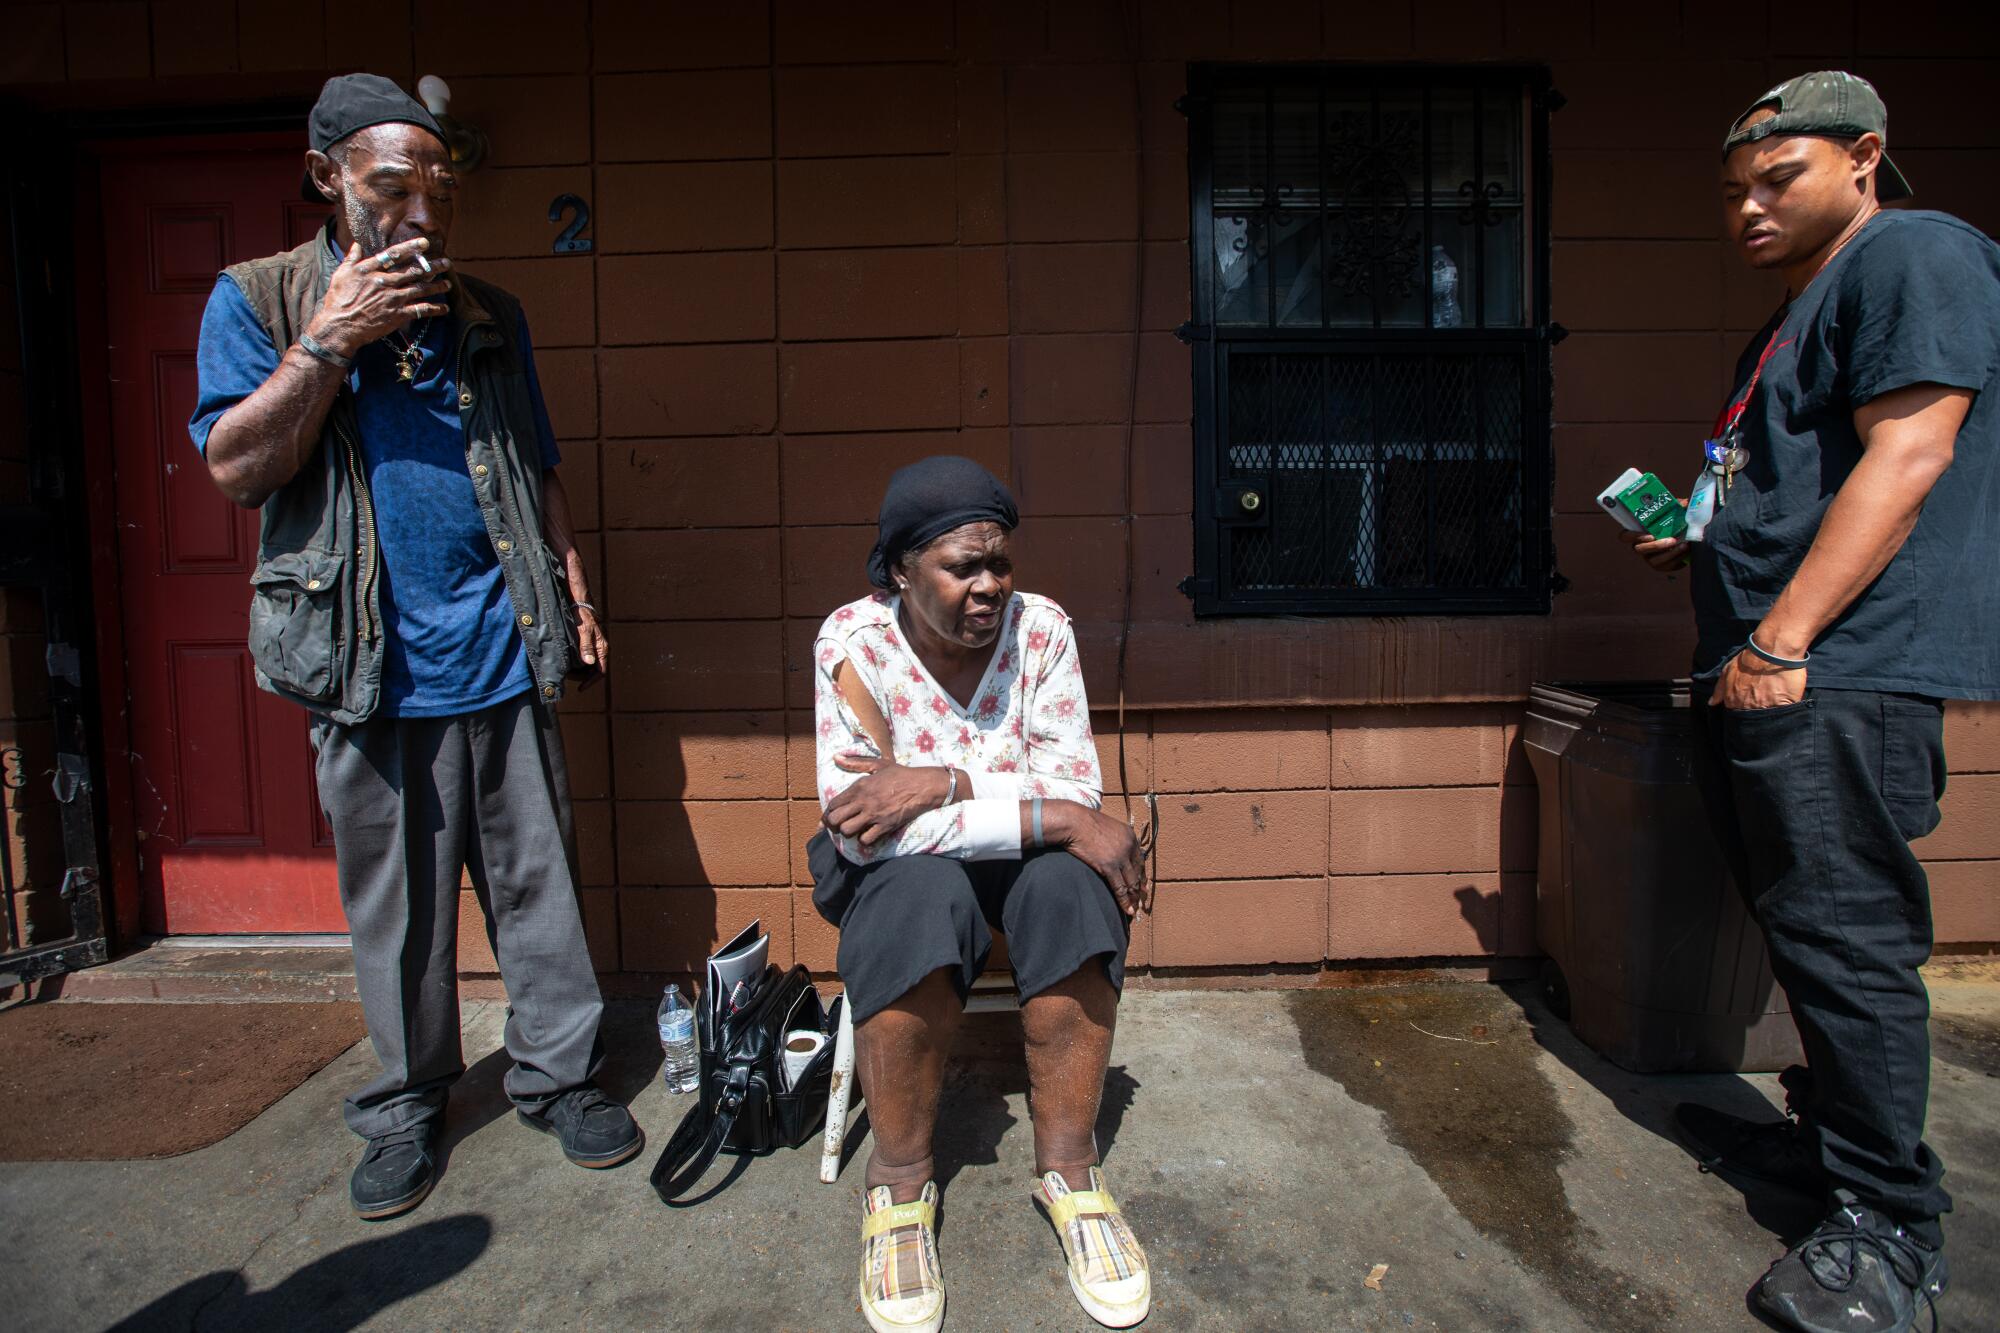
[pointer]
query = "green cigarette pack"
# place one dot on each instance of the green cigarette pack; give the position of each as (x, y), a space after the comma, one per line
(1642, 502)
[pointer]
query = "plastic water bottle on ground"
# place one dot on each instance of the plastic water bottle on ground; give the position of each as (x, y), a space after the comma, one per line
(682, 1066)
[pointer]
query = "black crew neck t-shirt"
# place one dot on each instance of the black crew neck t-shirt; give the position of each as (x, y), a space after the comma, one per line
(1914, 298)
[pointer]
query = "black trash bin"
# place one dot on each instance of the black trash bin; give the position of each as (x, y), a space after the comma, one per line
(1652, 956)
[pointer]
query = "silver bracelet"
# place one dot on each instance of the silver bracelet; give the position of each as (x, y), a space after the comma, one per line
(951, 793)
(313, 347)
(1037, 816)
(584, 606)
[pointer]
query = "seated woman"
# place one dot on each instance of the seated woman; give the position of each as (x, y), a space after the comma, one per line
(960, 789)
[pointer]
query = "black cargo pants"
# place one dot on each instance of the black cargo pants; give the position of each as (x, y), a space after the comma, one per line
(1815, 804)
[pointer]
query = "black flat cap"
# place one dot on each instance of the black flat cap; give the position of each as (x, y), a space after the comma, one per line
(353, 102)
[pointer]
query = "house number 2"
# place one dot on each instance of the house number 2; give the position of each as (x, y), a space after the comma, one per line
(570, 240)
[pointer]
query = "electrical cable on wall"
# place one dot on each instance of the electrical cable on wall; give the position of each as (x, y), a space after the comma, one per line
(1128, 14)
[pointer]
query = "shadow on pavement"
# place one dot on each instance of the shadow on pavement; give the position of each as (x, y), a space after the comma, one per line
(986, 1069)
(1648, 1100)
(340, 1291)
(632, 1062)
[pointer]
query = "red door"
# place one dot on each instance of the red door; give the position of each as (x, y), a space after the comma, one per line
(231, 838)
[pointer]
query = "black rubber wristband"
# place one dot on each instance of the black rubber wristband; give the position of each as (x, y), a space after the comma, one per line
(1790, 663)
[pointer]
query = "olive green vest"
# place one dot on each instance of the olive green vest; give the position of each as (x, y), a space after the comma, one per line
(316, 632)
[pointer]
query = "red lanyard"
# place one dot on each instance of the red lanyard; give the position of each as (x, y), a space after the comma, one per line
(1733, 412)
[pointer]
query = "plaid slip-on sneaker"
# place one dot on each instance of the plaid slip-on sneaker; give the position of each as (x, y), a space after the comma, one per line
(902, 1285)
(1107, 1269)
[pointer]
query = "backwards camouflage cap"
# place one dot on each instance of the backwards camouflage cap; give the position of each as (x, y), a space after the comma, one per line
(1831, 102)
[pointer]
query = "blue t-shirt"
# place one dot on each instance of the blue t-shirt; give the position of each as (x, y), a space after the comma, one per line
(452, 646)
(1914, 298)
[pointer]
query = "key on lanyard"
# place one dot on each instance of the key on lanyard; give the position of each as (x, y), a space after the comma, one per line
(1725, 458)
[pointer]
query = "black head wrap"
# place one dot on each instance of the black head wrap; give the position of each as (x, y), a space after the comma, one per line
(929, 498)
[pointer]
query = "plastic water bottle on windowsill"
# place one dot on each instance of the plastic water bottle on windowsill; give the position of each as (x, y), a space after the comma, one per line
(682, 1065)
(1444, 290)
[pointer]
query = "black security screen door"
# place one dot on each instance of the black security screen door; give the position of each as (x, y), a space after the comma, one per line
(1370, 291)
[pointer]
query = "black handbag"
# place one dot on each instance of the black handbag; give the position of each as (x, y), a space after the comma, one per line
(743, 1103)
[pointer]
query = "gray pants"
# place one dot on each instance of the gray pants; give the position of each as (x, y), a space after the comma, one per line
(412, 801)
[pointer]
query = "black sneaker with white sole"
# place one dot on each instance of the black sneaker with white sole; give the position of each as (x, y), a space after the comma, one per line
(1775, 1151)
(1859, 1272)
(396, 1171)
(594, 1130)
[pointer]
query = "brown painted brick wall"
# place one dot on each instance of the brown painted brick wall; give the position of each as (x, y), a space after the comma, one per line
(833, 239)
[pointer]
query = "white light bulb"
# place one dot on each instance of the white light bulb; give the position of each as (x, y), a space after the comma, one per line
(436, 94)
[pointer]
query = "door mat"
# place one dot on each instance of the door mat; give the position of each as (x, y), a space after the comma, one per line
(113, 1082)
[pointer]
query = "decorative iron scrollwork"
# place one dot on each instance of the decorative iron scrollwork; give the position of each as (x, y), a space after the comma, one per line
(1376, 232)
(1478, 203)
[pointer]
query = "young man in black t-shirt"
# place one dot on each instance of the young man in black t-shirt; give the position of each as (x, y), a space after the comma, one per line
(1844, 587)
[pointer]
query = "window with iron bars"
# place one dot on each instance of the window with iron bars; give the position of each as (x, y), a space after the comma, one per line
(1372, 339)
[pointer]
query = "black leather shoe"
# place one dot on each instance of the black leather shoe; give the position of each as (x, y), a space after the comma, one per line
(1771, 1150)
(396, 1172)
(594, 1130)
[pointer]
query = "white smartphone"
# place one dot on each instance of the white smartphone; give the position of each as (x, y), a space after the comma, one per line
(1607, 500)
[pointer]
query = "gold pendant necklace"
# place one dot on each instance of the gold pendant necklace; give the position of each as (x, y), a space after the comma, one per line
(411, 357)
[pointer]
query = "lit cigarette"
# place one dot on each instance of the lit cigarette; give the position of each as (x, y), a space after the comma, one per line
(425, 262)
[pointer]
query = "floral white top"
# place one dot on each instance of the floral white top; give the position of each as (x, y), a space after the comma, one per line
(1027, 733)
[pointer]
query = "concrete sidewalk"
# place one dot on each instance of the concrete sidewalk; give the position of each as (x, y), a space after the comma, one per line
(1269, 1147)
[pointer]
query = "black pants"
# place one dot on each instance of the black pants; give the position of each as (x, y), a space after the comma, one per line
(1815, 804)
(904, 918)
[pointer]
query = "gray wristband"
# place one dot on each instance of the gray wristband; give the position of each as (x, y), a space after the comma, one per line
(313, 347)
(1037, 818)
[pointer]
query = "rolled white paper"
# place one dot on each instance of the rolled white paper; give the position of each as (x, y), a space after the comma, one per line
(797, 1060)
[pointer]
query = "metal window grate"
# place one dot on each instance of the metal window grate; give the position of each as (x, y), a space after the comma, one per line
(1376, 470)
(1370, 255)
